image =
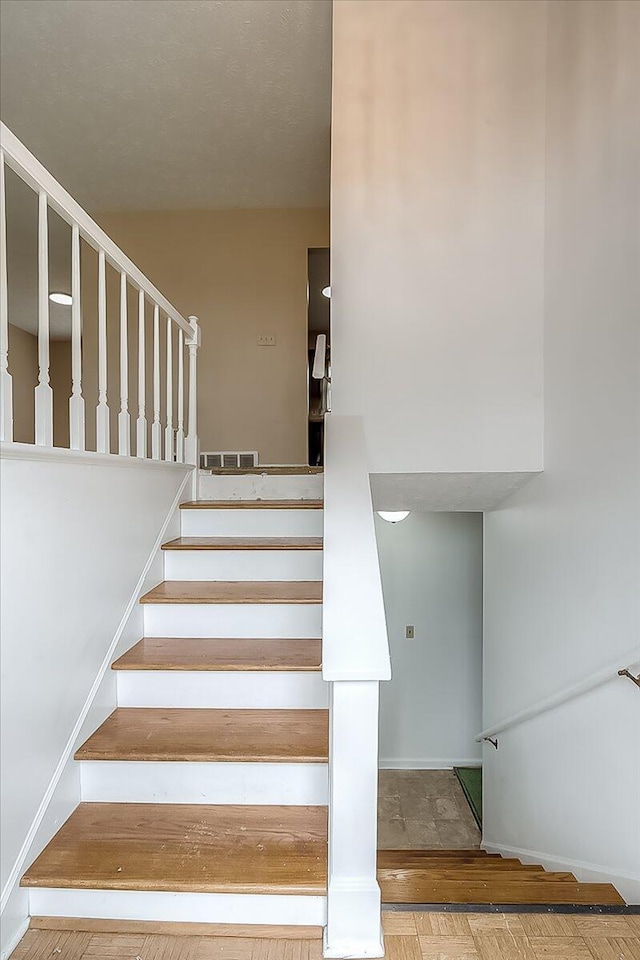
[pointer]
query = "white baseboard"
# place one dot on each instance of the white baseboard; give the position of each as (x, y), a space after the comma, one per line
(627, 884)
(419, 763)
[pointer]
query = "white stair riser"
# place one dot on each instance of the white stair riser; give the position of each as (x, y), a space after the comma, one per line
(278, 690)
(178, 907)
(251, 523)
(259, 620)
(132, 781)
(243, 564)
(262, 486)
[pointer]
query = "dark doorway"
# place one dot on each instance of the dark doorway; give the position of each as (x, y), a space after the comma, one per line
(318, 325)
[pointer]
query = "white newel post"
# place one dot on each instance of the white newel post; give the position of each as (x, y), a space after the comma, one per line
(6, 385)
(191, 443)
(353, 896)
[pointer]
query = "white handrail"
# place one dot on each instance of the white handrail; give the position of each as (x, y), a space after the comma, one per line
(597, 679)
(29, 169)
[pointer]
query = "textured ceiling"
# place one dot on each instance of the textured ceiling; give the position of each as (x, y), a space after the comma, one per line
(173, 104)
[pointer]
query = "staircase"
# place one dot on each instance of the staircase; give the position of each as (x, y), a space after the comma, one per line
(204, 794)
(476, 877)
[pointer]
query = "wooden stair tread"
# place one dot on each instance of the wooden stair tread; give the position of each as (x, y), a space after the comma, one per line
(467, 864)
(393, 857)
(461, 873)
(187, 848)
(210, 735)
(299, 470)
(252, 505)
(244, 543)
(235, 591)
(416, 889)
(186, 653)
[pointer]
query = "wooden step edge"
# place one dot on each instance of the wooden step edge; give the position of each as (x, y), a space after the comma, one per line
(439, 852)
(157, 885)
(244, 543)
(197, 661)
(496, 891)
(252, 505)
(460, 874)
(87, 752)
(235, 592)
(295, 470)
(176, 928)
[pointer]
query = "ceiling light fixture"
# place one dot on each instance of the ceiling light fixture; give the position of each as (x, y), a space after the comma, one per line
(65, 299)
(326, 292)
(393, 516)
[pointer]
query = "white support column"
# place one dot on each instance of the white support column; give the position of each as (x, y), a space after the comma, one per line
(6, 383)
(43, 391)
(124, 418)
(180, 430)
(156, 428)
(76, 400)
(141, 422)
(103, 427)
(353, 897)
(168, 431)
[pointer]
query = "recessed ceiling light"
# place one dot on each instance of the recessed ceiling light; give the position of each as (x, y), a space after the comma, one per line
(63, 298)
(327, 293)
(393, 516)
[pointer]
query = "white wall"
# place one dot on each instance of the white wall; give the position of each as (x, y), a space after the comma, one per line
(76, 538)
(437, 217)
(430, 711)
(562, 569)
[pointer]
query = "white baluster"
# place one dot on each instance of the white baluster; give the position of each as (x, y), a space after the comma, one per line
(103, 438)
(6, 383)
(168, 431)
(180, 430)
(141, 422)
(191, 445)
(76, 400)
(156, 429)
(124, 419)
(43, 392)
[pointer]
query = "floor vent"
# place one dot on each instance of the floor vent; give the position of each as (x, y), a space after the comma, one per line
(214, 460)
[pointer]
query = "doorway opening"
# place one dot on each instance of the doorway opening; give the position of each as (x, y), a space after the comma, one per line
(431, 709)
(318, 349)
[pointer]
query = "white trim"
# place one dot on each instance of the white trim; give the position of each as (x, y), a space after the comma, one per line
(420, 763)
(15, 939)
(31, 171)
(627, 883)
(30, 451)
(629, 660)
(242, 908)
(18, 866)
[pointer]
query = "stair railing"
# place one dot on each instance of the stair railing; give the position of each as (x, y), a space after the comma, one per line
(355, 656)
(171, 443)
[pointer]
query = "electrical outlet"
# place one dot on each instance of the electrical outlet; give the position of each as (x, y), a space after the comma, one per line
(409, 632)
(268, 340)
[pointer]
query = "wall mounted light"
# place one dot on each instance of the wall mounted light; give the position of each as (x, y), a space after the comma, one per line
(393, 516)
(63, 298)
(326, 292)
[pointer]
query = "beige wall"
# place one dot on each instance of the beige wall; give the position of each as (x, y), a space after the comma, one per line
(437, 231)
(23, 367)
(244, 274)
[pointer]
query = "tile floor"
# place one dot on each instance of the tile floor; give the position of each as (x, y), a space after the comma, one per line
(408, 936)
(421, 809)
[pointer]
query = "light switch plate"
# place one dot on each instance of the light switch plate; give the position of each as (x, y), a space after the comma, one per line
(268, 340)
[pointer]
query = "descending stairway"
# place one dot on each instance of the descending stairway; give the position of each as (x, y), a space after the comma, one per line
(204, 793)
(476, 877)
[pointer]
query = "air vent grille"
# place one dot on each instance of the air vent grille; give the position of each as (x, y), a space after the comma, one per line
(217, 459)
